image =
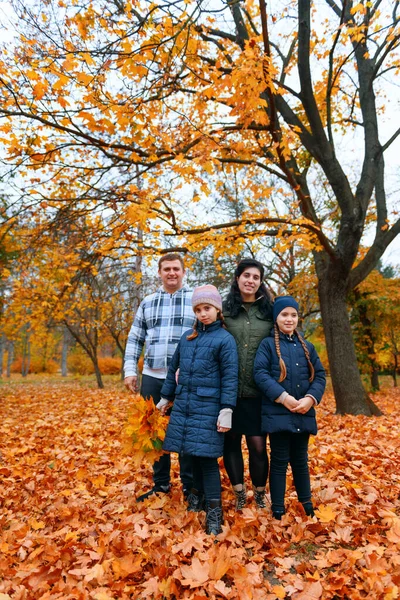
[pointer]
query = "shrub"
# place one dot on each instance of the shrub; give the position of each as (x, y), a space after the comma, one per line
(79, 363)
(110, 366)
(36, 365)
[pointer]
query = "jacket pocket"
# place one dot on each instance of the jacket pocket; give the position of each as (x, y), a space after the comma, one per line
(178, 389)
(208, 391)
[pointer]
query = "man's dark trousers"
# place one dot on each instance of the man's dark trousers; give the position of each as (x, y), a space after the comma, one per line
(151, 386)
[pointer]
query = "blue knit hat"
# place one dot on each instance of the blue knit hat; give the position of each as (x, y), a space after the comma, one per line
(282, 302)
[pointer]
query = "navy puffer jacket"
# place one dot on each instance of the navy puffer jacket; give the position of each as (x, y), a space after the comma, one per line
(208, 379)
(276, 417)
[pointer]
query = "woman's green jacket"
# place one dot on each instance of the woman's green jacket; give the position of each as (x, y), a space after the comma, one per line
(248, 329)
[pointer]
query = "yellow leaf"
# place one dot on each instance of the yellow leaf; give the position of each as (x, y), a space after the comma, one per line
(37, 524)
(84, 78)
(40, 89)
(325, 513)
(279, 591)
(61, 83)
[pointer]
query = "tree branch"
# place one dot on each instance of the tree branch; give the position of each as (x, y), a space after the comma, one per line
(368, 263)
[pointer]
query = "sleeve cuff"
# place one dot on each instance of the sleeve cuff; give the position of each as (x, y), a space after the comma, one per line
(311, 396)
(130, 373)
(280, 399)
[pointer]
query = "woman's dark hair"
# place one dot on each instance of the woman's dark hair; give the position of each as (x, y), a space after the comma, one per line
(234, 301)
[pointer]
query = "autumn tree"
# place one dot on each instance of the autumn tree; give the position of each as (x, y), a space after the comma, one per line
(98, 96)
(375, 318)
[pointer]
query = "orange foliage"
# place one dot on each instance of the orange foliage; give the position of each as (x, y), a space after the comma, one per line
(110, 366)
(71, 527)
(80, 364)
(36, 365)
(144, 431)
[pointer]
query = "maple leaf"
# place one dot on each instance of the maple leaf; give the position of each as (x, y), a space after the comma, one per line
(279, 591)
(325, 513)
(311, 591)
(189, 543)
(196, 574)
(224, 590)
(393, 535)
(126, 565)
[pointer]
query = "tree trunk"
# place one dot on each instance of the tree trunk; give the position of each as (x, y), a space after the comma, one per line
(350, 396)
(26, 357)
(97, 371)
(64, 352)
(10, 357)
(375, 378)
(2, 344)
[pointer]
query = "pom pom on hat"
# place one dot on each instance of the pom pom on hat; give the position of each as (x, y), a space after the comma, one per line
(282, 302)
(207, 294)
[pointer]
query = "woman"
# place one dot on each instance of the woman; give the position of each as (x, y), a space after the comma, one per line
(247, 313)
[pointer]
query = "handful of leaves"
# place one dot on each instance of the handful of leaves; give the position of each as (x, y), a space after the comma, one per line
(144, 431)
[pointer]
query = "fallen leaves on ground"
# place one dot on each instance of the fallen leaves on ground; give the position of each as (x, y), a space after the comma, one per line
(71, 527)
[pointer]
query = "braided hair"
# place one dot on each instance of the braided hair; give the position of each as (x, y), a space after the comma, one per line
(282, 362)
(233, 301)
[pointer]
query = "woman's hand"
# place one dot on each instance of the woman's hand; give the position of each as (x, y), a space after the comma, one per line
(303, 405)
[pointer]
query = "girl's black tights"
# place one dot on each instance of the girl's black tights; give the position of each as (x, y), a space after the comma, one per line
(258, 458)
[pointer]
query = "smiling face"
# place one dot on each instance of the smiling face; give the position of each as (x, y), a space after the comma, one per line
(171, 273)
(287, 320)
(206, 313)
(249, 283)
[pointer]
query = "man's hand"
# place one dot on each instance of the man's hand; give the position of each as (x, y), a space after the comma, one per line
(131, 384)
(303, 405)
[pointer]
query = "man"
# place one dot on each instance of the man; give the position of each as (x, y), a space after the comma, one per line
(160, 321)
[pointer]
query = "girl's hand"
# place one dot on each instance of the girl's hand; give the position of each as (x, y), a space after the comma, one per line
(290, 402)
(222, 429)
(303, 405)
(163, 405)
(224, 422)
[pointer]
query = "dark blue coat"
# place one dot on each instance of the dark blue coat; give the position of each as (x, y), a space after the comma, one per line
(208, 378)
(275, 417)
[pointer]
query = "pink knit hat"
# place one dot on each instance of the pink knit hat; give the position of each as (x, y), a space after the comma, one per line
(207, 294)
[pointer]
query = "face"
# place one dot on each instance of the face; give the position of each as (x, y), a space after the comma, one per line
(171, 274)
(287, 320)
(249, 283)
(206, 313)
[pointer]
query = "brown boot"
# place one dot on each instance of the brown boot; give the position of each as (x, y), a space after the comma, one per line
(259, 497)
(241, 498)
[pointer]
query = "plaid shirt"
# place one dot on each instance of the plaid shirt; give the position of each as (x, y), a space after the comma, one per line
(160, 321)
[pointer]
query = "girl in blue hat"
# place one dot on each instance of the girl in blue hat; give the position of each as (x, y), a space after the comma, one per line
(290, 375)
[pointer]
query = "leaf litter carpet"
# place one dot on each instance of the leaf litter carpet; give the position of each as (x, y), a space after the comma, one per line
(71, 527)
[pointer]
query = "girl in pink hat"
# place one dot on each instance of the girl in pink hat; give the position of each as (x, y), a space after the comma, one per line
(203, 397)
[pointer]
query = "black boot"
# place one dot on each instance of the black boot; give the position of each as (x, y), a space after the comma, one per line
(157, 489)
(214, 517)
(308, 509)
(195, 500)
(278, 514)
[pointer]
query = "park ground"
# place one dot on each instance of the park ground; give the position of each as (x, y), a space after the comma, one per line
(70, 527)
